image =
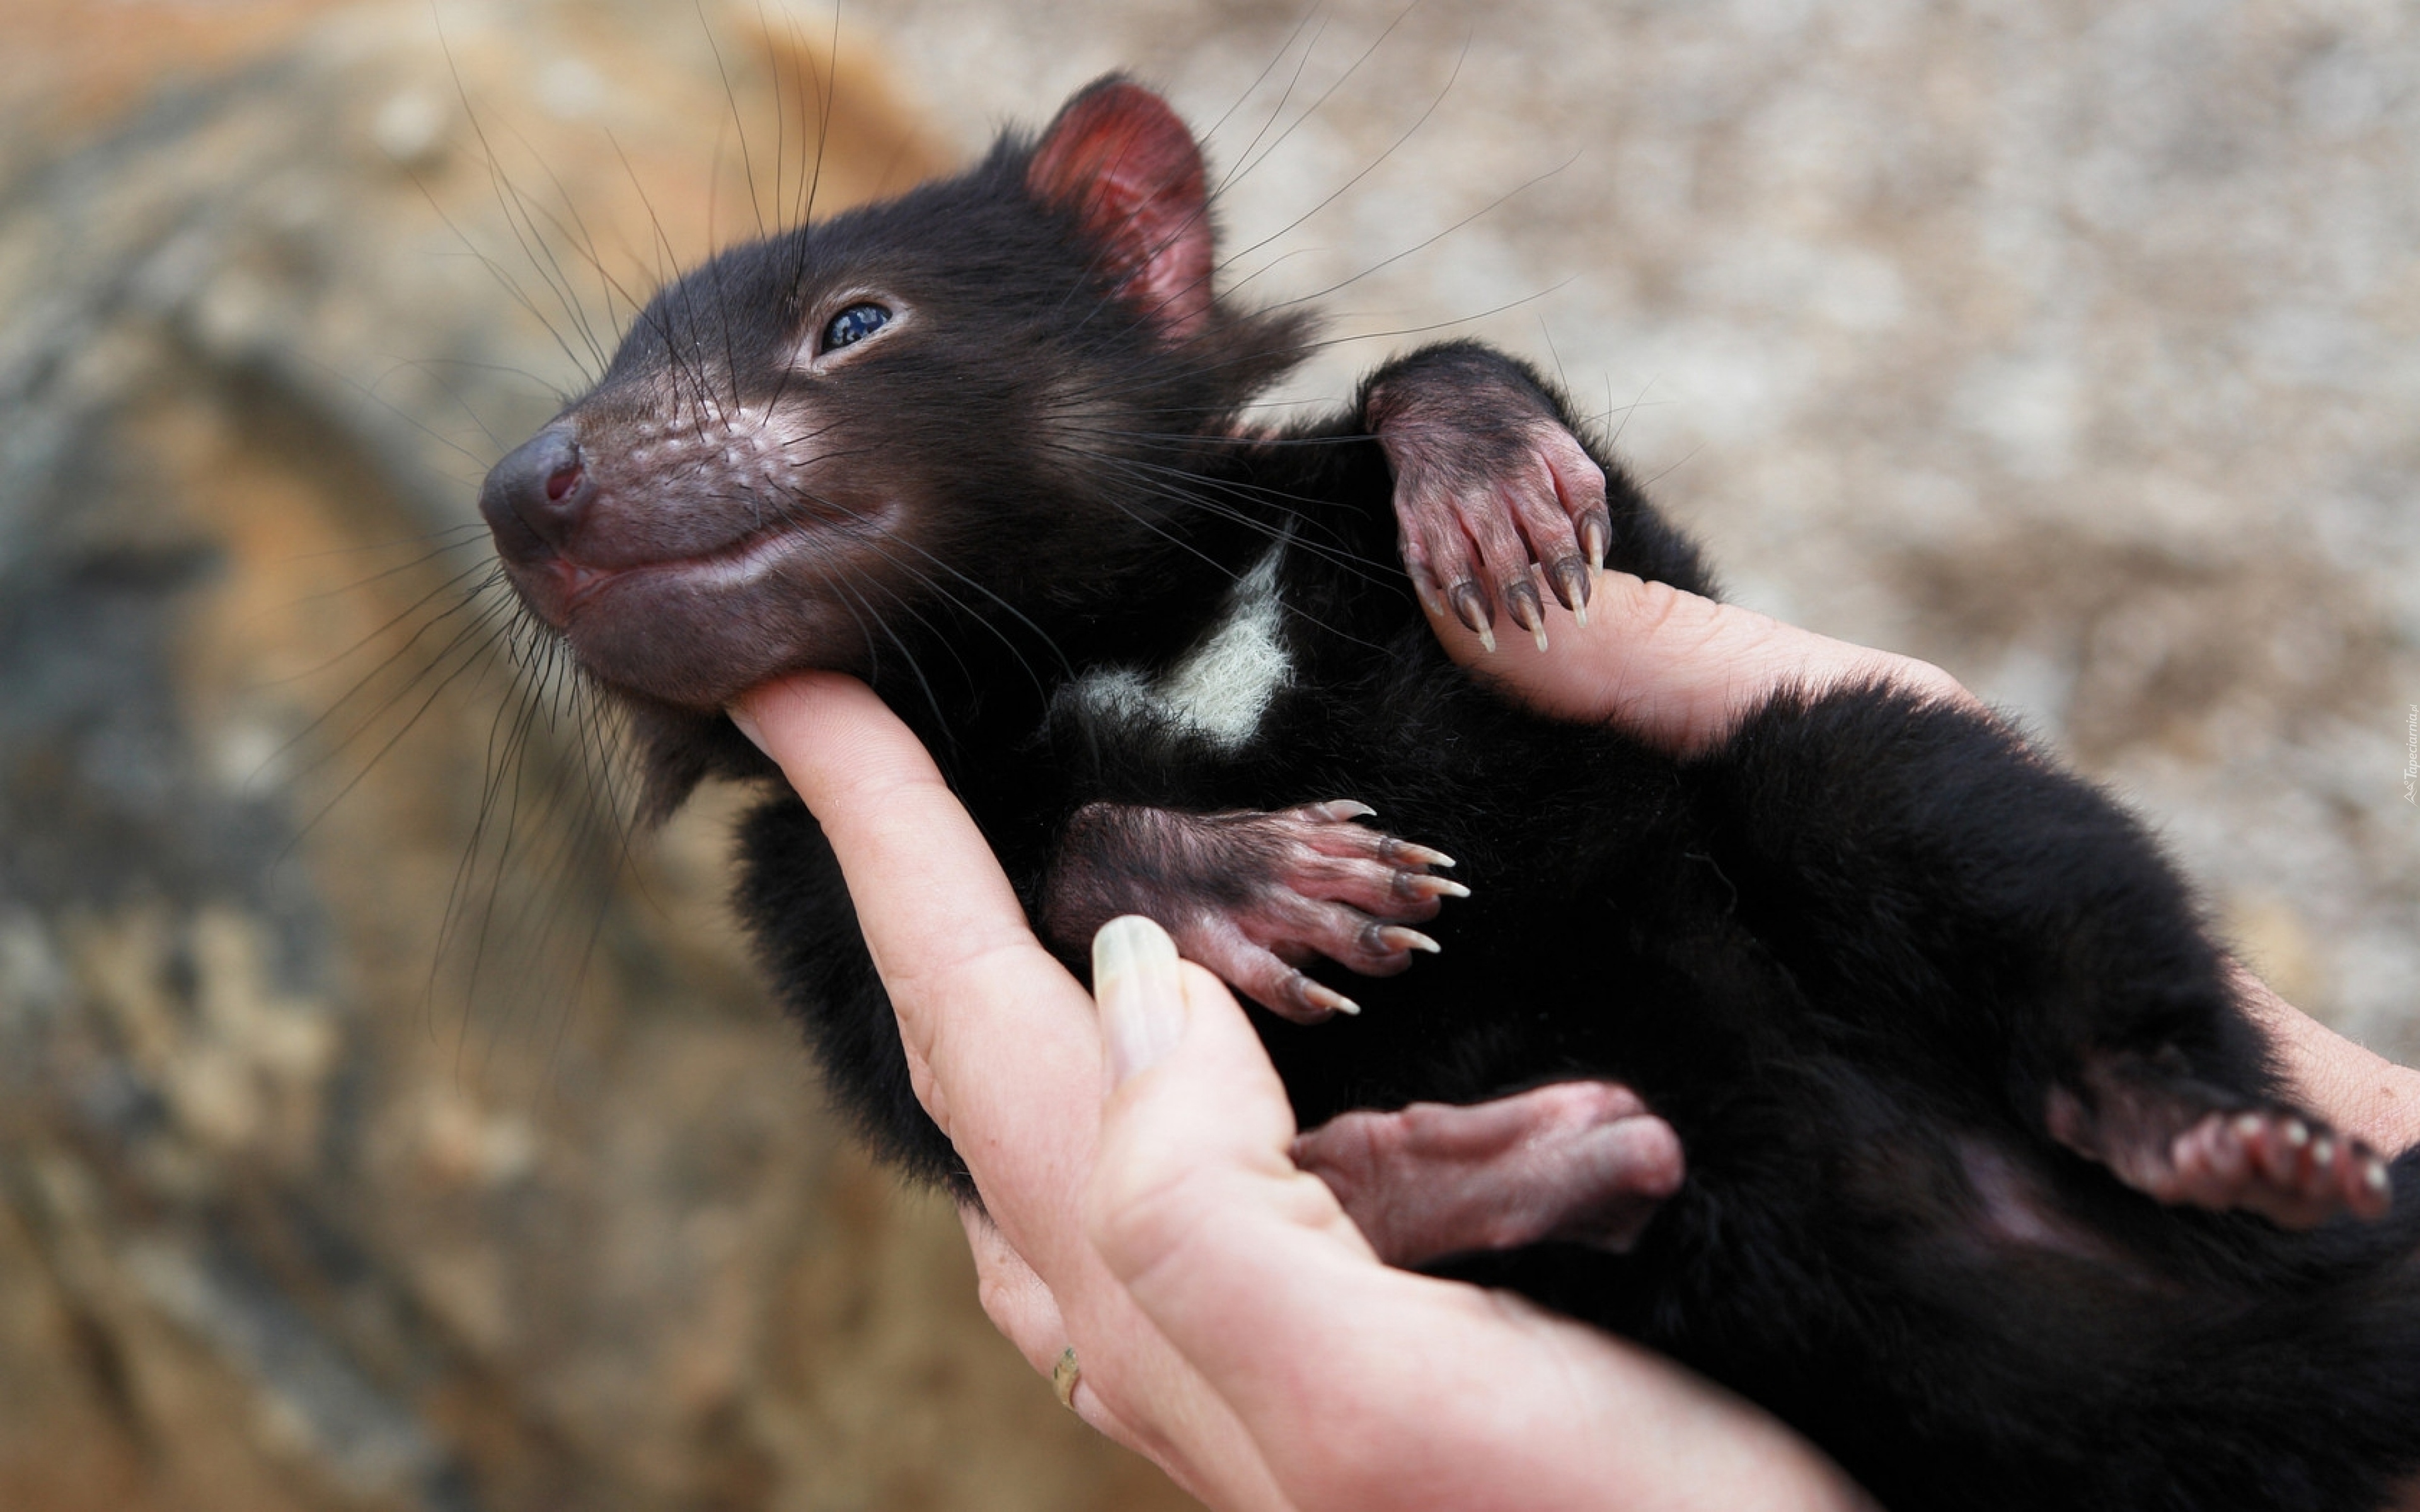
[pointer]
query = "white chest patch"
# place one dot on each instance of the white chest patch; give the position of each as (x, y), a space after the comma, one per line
(1220, 689)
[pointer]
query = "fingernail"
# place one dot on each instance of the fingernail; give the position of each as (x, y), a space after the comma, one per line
(746, 725)
(1140, 996)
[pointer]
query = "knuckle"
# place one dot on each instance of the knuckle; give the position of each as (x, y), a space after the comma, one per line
(1001, 1302)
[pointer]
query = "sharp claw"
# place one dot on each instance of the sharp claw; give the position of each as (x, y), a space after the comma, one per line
(1345, 808)
(1571, 580)
(1521, 602)
(1596, 535)
(1470, 607)
(1421, 853)
(1396, 937)
(1328, 999)
(1420, 885)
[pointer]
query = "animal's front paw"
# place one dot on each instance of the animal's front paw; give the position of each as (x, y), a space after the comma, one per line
(1254, 896)
(1491, 491)
(2178, 1142)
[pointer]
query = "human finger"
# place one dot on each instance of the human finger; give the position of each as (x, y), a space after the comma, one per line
(1007, 1054)
(2359, 1090)
(1016, 1299)
(1027, 1314)
(1004, 1035)
(1677, 669)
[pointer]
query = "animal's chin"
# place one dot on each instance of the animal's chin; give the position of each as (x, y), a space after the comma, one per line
(693, 633)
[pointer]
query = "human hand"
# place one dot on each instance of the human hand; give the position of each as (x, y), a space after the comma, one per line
(1232, 1323)
(1680, 672)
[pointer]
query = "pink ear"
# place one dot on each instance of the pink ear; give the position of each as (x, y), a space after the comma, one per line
(1120, 159)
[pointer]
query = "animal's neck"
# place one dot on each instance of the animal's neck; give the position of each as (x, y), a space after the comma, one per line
(991, 667)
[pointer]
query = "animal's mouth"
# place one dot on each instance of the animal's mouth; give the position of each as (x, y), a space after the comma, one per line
(694, 630)
(561, 587)
(578, 585)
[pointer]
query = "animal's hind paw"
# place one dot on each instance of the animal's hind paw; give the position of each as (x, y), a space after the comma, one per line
(2279, 1164)
(2166, 1139)
(1254, 896)
(1493, 494)
(1580, 1161)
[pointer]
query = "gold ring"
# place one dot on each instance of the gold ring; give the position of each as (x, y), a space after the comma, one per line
(1064, 1375)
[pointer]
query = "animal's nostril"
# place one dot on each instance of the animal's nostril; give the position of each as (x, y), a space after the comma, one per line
(535, 496)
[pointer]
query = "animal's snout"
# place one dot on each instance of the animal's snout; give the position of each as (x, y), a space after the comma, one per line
(534, 497)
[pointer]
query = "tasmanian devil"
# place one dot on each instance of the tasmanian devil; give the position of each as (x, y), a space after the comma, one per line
(1940, 1032)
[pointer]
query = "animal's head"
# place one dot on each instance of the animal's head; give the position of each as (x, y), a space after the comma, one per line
(819, 447)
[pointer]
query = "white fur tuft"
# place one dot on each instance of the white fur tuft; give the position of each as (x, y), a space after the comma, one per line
(1220, 689)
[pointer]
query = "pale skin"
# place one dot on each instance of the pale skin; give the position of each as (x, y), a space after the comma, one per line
(1232, 1324)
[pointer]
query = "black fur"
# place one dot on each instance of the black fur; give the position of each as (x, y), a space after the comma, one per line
(1847, 955)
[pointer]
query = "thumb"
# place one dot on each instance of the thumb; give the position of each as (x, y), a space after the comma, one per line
(1197, 1126)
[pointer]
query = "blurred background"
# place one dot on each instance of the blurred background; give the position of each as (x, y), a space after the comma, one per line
(378, 1129)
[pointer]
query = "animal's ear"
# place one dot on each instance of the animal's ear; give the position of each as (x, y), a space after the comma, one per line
(1121, 160)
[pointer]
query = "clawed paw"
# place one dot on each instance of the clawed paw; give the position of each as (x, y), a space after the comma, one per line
(2173, 1140)
(1327, 887)
(1257, 896)
(2296, 1174)
(1495, 497)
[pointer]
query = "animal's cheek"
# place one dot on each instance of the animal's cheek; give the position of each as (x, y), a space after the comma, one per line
(636, 474)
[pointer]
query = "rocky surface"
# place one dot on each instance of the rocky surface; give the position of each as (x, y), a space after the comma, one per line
(377, 1130)
(374, 1131)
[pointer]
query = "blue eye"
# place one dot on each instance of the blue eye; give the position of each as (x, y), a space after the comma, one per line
(854, 325)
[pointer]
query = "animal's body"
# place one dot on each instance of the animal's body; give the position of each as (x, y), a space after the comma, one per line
(1908, 994)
